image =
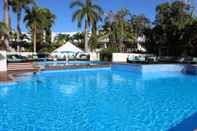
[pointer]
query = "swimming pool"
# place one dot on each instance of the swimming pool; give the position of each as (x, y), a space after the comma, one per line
(102, 99)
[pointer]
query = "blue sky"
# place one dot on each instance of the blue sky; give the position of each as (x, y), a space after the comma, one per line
(64, 14)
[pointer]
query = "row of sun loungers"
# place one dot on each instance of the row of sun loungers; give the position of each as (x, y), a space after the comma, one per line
(148, 59)
(15, 58)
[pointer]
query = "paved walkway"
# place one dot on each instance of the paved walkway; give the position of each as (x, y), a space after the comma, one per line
(4, 77)
(10, 75)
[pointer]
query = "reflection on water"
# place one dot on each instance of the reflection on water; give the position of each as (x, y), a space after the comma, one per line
(68, 89)
(4, 91)
(90, 99)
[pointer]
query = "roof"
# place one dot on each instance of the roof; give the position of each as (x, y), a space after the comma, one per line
(68, 47)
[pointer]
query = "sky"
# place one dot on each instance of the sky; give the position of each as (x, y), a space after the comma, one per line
(63, 13)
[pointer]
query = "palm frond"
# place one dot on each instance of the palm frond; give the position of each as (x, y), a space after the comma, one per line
(76, 4)
(98, 9)
(78, 16)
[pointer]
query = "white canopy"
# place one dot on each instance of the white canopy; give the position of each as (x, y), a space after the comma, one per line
(68, 47)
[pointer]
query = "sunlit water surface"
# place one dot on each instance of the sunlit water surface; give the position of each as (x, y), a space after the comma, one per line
(97, 100)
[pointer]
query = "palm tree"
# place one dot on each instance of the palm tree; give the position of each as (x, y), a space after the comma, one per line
(47, 25)
(88, 12)
(120, 25)
(6, 22)
(18, 6)
(4, 31)
(61, 39)
(39, 20)
(6, 12)
(33, 20)
(78, 40)
(108, 27)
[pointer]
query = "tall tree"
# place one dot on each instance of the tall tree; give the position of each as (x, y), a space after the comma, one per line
(4, 31)
(6, 21)
(120, 23)
(108, 27)
(171, 19)
(87, 12)
(18, 6)
(39, 21)
(78, 40)
(139, 24)
(61, 39)
(118, 29)
(6, 13)
(33, 19)
(47, 25)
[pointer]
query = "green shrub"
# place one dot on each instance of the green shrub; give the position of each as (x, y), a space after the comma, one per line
(106, 54)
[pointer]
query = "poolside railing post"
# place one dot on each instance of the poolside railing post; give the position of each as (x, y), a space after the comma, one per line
(3, 61)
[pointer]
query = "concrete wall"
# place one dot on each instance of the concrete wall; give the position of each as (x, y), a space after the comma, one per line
(3, 61)
(163, 68)
(138, 68)
(120, 57)
(94, 56)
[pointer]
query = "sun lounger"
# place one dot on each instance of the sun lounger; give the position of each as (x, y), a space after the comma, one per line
(136, 59)
(16, 58)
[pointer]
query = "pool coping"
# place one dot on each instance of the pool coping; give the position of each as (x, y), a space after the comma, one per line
(10, 76)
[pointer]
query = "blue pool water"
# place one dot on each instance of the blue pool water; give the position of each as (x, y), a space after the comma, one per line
(62, 63)
(101, 99)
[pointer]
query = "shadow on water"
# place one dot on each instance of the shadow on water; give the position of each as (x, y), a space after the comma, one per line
(189, 124)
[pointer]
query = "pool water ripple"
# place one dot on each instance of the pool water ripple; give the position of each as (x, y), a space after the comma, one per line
(97, 100)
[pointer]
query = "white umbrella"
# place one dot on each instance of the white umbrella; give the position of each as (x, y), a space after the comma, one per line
(68, 47)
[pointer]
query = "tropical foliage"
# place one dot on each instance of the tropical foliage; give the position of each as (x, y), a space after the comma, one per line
(172, 33)
(3, 34)
(123, 29)
(18, 6)
(39, 21)
(172, 25)
(78, 40)
(89, 13)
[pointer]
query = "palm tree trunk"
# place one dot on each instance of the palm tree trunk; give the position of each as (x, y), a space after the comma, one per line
(18, 31)
(6, 12)
(34, 38)
(7, 22)
(121, 39)
(86, 37)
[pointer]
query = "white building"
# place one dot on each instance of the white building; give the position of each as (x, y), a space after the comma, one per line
(54, 34)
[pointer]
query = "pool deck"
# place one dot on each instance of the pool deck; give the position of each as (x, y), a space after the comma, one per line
(10, 75)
